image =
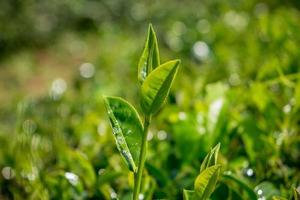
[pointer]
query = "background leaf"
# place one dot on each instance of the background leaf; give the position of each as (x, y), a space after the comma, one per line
(266, 190)
(157, 85)
(188, 194)
(250, 192)
(127, 129)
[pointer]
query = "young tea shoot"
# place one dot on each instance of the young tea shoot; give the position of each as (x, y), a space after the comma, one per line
(129, 132)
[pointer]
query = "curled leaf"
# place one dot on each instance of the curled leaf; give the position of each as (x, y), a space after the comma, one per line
(157, 85)
(211, 158)
(127, 129)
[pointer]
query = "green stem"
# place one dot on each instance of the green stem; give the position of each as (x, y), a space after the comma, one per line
(138, 175)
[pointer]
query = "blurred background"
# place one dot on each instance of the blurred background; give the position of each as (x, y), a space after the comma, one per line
(239, 84)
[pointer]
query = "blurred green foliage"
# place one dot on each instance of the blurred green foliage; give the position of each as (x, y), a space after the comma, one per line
(239, 85)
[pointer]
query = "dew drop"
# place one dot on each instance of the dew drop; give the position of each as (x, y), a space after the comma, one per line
(249, 172)
(72, 178)
(141, 196)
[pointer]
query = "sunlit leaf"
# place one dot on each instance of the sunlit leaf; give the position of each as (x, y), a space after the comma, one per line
(206, 181)
(150, 56)
(127, 129)
(157, 85)
(188, 194)
(211, 158)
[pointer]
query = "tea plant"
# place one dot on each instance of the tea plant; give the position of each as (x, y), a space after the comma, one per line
(206, 181)
(131, 135)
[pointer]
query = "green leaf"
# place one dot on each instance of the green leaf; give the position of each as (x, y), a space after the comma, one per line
(157, 85)
(127, 129)
(206, 181)
(188, 194)
(150, 56)
(211, 158)
(251, 194)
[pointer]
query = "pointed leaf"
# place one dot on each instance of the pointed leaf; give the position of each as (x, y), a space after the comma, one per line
(206, 181)
(127, 129)
(211, 158)
(157, 85)
(150, 56)
(188, 194)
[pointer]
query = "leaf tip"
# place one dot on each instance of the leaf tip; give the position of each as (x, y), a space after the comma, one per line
(217, 147)
(150, 26)
(177, 62)
(105, 100)
(104, 97)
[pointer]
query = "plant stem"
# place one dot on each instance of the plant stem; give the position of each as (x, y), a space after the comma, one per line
(138, 175)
